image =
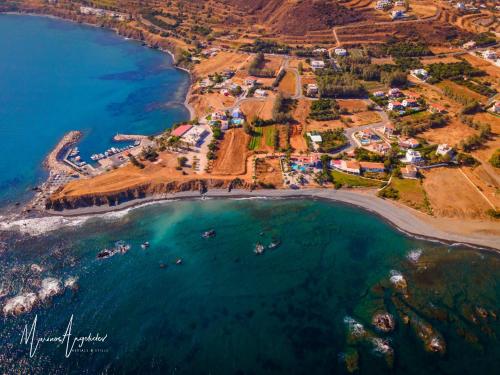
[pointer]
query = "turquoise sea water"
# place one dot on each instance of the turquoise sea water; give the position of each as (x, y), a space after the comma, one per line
(225, 310)
(57, 76)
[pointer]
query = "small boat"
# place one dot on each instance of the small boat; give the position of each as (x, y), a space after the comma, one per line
(105, 254)
(274, 244)
(259, 248)
(145, 245)
(208, 234)
(178, 261)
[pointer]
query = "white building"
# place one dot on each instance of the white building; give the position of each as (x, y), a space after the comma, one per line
(490, 55)
(397, 14)
(444, 149)
(496, 107)
(340, 52)
(317, 64)
(195, 135)
(421, 74)
(383, 4)
(260, 93)
(312, 89)
(413, 157)
(469, 45)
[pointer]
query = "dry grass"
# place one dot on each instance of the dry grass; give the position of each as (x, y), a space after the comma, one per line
(462, 90)
(258, 108)
(208, 103)
(451, 134)
(223, 60)
(288, 84)
(451, 194)
(232, 154)
(268, 171)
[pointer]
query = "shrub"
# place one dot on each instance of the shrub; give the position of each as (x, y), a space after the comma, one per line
(389, 192)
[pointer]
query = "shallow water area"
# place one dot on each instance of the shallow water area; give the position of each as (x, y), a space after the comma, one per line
(304, 307)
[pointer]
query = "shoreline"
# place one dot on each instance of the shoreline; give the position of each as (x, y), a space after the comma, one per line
(402, 219)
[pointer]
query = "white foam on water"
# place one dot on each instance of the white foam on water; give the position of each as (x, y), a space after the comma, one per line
(355, 328)
(414, 255)
(50, 288)
(39, 226)
(381, 346)
(20, 304)
(71, 282)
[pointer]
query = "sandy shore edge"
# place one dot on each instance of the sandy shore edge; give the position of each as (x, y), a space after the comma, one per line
(403, 219)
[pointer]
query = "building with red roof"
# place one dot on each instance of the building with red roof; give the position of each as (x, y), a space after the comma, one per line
(181, 130)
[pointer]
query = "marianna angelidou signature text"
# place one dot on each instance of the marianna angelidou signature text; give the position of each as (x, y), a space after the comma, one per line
(31, 338)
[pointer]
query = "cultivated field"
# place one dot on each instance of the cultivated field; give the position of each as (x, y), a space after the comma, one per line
(232, 154)
(223, 60)
(258, 108)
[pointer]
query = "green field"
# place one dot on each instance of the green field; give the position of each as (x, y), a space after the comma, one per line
(411, 193)
(269, 132)
(256, 138)
(352, 180)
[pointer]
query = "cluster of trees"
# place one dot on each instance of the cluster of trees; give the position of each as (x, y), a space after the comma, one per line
(484, 39)
(256, 67)
(279, 77)
(266, 46)
(458, 70)
(281, 108)
(214, 145)
(477, 140)
(151, 16)
(495, 158)
(408, 63)
(332, 140)
(397, 48)
(458, 97)
(324, 110)
(135, 162)
(479, 87)
(395, 78)
(149, 154)
(410, 127)
(202, 30)
(340, 86)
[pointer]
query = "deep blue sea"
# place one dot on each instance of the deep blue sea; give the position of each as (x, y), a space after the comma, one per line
(305, 307)
(57, 76)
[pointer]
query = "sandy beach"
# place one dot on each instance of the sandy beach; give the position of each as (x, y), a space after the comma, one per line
(407, 220)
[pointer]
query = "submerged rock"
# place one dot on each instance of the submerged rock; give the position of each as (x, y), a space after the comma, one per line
(414, 255)
(351, 359)
(384, 322)
(36, 268)
(50, 287)
(398, 281)
(71, 283)
(383, 347)
(20, 304)
(355, 329)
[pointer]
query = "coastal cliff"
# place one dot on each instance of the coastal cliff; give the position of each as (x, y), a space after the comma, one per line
(60, 201)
